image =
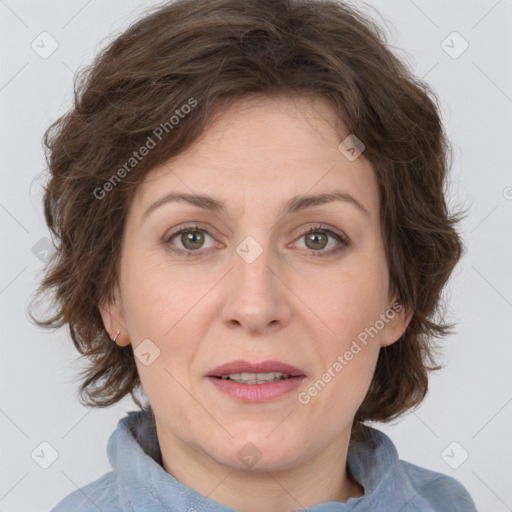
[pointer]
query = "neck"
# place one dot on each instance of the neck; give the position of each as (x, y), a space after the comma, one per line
(315, 480)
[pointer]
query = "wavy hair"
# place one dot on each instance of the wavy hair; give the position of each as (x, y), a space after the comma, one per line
(219, 52)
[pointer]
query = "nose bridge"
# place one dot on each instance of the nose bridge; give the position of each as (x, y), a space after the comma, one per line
(256, 295)
(252, 262)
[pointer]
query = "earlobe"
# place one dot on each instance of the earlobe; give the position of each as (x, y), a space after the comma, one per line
(396, 319)
(113, 321)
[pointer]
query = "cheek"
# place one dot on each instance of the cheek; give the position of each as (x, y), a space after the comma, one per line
(349, 303)
(155, 296)
(347, 354)
(162, 310)
(347, 300)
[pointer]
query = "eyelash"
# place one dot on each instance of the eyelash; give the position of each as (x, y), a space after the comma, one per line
(344, 241)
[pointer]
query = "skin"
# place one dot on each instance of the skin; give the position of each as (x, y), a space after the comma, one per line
(288, 305)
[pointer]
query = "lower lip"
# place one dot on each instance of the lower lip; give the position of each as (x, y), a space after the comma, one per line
(257, 392)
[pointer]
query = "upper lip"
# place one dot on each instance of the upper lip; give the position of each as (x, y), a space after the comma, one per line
(241, 366)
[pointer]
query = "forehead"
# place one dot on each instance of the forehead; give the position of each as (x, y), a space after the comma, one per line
(264, 151)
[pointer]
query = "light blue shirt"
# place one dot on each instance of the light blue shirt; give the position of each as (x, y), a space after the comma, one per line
(138, 482)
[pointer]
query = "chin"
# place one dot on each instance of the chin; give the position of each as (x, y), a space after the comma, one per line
(261, 453)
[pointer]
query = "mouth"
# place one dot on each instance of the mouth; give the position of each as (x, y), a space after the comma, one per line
(256, 382)
(255, 378)
(265, 370)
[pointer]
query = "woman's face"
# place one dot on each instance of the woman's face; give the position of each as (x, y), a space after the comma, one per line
(245, 282)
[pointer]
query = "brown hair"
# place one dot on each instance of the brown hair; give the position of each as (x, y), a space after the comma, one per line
(214, 53)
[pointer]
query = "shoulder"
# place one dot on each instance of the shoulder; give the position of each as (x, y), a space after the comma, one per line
(440, 491)
(98, 495)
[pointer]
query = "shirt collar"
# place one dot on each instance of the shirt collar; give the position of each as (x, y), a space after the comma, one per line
(143, 484)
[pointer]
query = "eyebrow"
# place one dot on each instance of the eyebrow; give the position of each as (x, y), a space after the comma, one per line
(293, 205)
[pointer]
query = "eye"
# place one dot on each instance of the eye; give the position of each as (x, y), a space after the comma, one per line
(317, 239)
(191, 238)
(189, 241)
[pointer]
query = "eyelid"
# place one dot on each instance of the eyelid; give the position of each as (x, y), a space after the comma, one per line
(326, 228)
(196, 226)
(343, 241)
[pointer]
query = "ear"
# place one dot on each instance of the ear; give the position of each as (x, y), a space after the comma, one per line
(113, 318)
(396, 319)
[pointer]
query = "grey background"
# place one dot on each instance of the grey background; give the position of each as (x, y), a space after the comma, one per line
(469, 402)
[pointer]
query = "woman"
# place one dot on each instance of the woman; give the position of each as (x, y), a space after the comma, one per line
(248, 200)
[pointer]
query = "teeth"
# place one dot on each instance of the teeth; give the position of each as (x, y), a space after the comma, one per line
(255, 378)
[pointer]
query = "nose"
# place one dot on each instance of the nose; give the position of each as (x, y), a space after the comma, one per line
(257, 298)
